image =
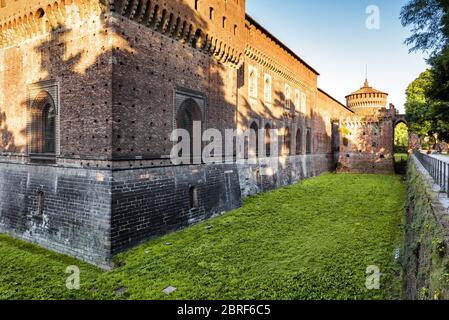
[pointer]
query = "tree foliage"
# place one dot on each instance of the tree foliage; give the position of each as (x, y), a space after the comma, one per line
(426, 114)
(429, 22)
(417, 104)
(427, 105)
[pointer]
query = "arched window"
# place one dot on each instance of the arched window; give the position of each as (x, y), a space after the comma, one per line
(288, 97)
(188, 114)
(303, 103)
(254, 140)
(298, 142)
(49, 128)
(267, 89)
(43, 126)
(309, 141)
(252, 83)
(297, 100)
(287, 141)
(268, 140)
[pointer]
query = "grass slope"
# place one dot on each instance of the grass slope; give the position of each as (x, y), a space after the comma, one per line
(312, 240)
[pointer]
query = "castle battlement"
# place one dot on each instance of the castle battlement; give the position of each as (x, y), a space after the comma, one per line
(22, 20)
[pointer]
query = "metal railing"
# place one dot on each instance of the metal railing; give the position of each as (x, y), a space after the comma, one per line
(439, 170)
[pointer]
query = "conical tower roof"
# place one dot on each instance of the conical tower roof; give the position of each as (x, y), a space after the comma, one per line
(366, 89)
(367, 100)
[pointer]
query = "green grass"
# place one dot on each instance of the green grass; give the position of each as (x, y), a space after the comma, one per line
(312, 240)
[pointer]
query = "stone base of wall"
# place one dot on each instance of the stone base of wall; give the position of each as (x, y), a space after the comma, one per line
(365, 163)
(266, 175)
(62, 209)
(147, 203)
(94, 214)
(426, 255)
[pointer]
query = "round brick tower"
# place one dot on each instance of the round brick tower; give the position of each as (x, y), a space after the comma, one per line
(367, 100)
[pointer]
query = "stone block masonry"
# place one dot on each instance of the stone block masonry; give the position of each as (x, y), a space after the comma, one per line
(147, 203)
(63, 209)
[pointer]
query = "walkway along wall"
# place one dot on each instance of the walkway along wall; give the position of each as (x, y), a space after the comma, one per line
(426, 254)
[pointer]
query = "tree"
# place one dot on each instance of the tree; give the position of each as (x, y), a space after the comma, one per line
(438, 94)
(426, 115)
(429, 20)
(440, 73)
(417, 105)
(427, 103)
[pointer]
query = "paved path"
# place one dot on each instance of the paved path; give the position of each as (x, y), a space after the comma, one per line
(441, 157)
(445, 183)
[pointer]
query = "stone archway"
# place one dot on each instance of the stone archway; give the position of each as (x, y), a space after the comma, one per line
(401, 135)
(414, 141)
(42, 126)
(188, 114)
(401, 144)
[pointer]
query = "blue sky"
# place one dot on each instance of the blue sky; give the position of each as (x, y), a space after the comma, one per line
(332, 37)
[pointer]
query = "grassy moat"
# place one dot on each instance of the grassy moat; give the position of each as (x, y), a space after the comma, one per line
(312, 240)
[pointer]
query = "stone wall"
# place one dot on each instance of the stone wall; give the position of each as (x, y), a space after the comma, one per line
(367, 144)
(63, 209)
(264, 176)
(155, 201)
(146, 82)
(426, 255)
(118, 72)
(75, 58)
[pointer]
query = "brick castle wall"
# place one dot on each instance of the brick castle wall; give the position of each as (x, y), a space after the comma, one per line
(120, 72)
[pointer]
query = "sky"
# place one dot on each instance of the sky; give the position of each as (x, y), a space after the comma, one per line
(333, 38)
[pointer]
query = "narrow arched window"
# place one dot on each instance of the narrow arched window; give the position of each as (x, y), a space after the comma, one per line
(189, 114)
(267, 89)
(288, 97)
(268, 139)
(43, 126)
(287, 141)
(252, 82)
(49, 128)
(298, 142)
(309, 141)
(254, 140)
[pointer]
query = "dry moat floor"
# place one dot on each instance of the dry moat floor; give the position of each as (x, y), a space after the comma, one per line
(312, 240)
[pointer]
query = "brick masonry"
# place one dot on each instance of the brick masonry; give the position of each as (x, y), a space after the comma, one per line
(119, 72)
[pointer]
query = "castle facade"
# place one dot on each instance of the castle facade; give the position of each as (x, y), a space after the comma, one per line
(91, 91)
